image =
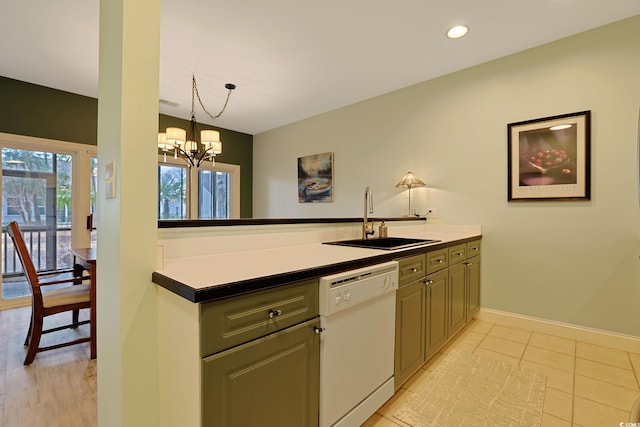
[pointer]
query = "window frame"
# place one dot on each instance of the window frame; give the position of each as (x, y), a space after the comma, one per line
(192, 184)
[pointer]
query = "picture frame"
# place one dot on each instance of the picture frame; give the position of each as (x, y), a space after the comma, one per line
(315, 178)
(550, 158)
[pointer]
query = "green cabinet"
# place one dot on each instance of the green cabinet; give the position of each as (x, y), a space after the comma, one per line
(274, 380)
(457, 298)
(410, 333)
(436, 313)
(439, 293)
(457, 310)
(473, 285)
(261, 358)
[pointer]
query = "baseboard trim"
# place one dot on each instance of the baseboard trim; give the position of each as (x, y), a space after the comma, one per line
(621, 342)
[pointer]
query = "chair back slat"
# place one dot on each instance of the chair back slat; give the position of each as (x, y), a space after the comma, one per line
(25, 258)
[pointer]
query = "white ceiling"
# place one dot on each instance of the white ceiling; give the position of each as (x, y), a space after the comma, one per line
(290, 59)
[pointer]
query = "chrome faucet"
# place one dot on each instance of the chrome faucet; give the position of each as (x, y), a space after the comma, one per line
(367, 227)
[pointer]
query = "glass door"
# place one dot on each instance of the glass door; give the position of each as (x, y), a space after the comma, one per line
(36, 192)
(48, 187)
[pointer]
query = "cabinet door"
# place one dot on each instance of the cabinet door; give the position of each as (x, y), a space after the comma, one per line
(473, 288)
(457, 298)
(409, 347)
(272, 380)
(436, 315)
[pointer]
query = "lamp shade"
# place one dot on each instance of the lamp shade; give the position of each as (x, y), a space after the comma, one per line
(176, 136)
(216, 147)
(162, 142)
(409, 180)
(191, 146)
(208, 136)
(211, 140)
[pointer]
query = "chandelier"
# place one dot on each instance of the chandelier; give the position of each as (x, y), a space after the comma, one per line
(184, 143)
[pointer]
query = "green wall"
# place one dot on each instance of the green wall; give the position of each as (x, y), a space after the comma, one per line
(32, 110)
(39, 111)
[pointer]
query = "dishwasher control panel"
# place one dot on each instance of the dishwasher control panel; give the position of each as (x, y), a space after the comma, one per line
(344, 290)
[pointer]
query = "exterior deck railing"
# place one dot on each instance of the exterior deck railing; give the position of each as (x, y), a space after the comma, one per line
(45, 255)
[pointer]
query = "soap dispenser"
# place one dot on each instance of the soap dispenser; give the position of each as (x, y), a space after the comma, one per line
(382, 230)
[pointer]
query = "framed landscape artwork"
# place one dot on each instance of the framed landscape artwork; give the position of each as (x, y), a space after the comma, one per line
(549, 158)
(315, 178)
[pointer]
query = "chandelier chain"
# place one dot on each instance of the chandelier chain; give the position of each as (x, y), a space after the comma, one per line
(197, 95)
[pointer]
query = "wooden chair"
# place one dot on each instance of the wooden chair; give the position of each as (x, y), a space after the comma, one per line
(44, 303)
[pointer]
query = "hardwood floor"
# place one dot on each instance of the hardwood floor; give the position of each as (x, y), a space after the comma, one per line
(58, 389)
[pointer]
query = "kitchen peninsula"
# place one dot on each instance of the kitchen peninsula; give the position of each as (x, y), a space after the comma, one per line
(213, 282)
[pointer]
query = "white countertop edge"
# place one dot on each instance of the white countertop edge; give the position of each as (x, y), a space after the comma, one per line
(210, 270)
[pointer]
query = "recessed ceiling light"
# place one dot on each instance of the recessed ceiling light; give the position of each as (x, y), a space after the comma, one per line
(559, 127)
(457, 31)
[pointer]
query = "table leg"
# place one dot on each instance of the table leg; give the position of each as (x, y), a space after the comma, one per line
(93, 312)
(79, 265)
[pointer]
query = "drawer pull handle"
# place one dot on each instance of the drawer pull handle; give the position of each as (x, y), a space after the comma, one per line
(318, 329)
(274, 313)
(440, 261)
(475, 249)
(459, 253)
(414, 270)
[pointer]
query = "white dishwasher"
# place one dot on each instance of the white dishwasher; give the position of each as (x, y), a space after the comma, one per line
(357, 316)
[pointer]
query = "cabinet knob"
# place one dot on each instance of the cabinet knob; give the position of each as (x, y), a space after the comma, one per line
(469, 263)
(428, 282)
(274, 313)
(415, 270)
(318, 329)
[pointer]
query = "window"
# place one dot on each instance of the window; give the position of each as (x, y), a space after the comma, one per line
(213, 194)
(172, 192)
(216, 192)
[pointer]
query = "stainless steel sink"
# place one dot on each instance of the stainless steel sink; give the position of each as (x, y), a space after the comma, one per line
(386, 243)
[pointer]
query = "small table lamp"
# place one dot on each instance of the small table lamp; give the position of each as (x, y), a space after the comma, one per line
(409, 181)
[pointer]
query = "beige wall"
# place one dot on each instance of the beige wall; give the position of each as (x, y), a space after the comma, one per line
(574, 262)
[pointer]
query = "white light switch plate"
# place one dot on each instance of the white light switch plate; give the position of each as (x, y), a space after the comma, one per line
(110, 181)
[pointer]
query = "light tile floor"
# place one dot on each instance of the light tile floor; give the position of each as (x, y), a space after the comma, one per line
(587, 385)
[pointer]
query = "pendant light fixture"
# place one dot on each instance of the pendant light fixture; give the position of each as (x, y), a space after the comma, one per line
(185, 144)
(409, 180)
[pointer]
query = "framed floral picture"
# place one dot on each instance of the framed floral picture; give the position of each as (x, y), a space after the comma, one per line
(549, 158)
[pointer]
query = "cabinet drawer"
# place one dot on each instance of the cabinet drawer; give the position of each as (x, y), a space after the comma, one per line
(457, 253)
(437, 260)
(237, 320)
(411, 268)
(473, 248)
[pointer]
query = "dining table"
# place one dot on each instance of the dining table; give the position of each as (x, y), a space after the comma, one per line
(85, 258)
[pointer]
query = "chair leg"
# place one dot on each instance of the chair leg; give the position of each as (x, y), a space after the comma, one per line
(77, 272)
(36, 333)
(27, 338)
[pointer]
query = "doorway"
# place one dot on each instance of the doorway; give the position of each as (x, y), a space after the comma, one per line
(47, 187)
